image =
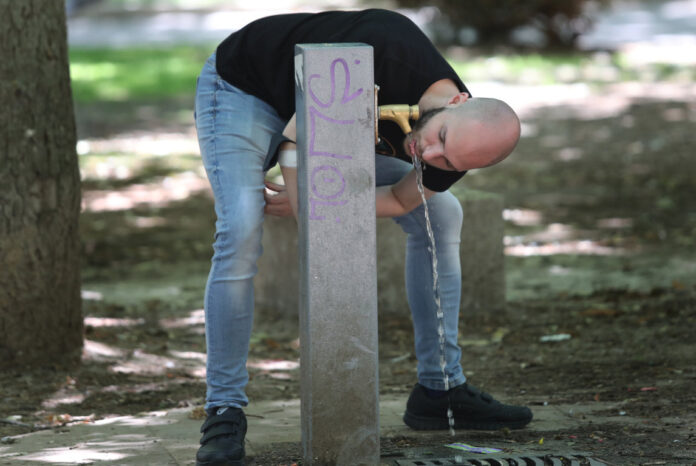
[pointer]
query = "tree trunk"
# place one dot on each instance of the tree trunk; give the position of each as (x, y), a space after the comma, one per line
(40, 305)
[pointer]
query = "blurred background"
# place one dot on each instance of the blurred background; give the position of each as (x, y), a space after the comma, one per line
(603, 174)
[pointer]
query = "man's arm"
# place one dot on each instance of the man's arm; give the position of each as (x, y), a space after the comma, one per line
(284, 201)
(390, 201)
(400, 198)
(290, 173)
(281, 200)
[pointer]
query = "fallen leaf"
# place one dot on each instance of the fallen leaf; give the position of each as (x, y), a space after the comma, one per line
(599, 312)
(271, 343)
(198, 413)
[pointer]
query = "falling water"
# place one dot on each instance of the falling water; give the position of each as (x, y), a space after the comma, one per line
(436, 289)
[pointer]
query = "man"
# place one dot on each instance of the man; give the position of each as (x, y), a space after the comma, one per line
(245, 122)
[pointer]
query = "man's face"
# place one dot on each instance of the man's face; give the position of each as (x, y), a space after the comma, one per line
(439, 139)
(464, 134)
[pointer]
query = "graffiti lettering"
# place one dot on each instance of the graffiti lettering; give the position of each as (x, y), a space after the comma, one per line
(327, 181)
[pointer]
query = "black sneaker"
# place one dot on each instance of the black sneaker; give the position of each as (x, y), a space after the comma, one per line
(472, 409)
(222, 443)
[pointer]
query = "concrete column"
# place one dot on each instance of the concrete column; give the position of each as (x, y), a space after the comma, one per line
(334, 92)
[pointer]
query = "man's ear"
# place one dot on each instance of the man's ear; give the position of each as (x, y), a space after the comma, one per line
(459, 98)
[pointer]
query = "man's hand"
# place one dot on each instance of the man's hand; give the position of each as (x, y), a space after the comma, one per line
(277, 200)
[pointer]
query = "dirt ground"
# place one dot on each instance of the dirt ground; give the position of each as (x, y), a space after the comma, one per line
(600, 233)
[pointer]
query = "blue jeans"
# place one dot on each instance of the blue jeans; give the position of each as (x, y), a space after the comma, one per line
(234, 132)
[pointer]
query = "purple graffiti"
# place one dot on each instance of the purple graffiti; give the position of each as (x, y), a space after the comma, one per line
(314, 203)
(346, 89)
(327, 182)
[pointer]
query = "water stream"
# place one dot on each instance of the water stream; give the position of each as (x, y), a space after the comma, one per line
(436, 291)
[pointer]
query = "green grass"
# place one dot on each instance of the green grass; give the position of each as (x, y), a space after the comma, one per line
(546, 69)
(540, 69)
(162, 73)
(125, 74)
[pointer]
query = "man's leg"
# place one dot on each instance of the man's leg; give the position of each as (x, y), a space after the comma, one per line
(445, 214)
(234, 131)
(446, 217)
(428, 403)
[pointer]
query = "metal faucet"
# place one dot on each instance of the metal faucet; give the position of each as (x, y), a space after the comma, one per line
(398, 113)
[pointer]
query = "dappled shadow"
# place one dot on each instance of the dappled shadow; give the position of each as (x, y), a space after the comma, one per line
(168, 230)
(106, 120)
(623, 181)
(604, 175)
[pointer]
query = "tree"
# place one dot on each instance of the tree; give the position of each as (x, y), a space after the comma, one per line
(40, 304)
(561, 22)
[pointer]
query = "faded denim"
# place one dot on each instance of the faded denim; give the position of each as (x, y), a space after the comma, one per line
(234, 132)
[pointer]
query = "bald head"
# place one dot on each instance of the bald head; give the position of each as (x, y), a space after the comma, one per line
(467, 133)
(492, 127)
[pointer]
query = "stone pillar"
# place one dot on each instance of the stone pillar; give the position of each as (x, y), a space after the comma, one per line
(334, 92)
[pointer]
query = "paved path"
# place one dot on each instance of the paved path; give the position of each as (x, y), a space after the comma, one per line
(171, 437)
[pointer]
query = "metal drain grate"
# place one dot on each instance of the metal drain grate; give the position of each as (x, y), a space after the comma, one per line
(521, 460)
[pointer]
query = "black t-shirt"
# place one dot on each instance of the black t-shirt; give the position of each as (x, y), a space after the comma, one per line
(259, 59)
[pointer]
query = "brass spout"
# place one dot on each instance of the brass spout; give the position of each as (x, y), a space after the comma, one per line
(399, 114)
